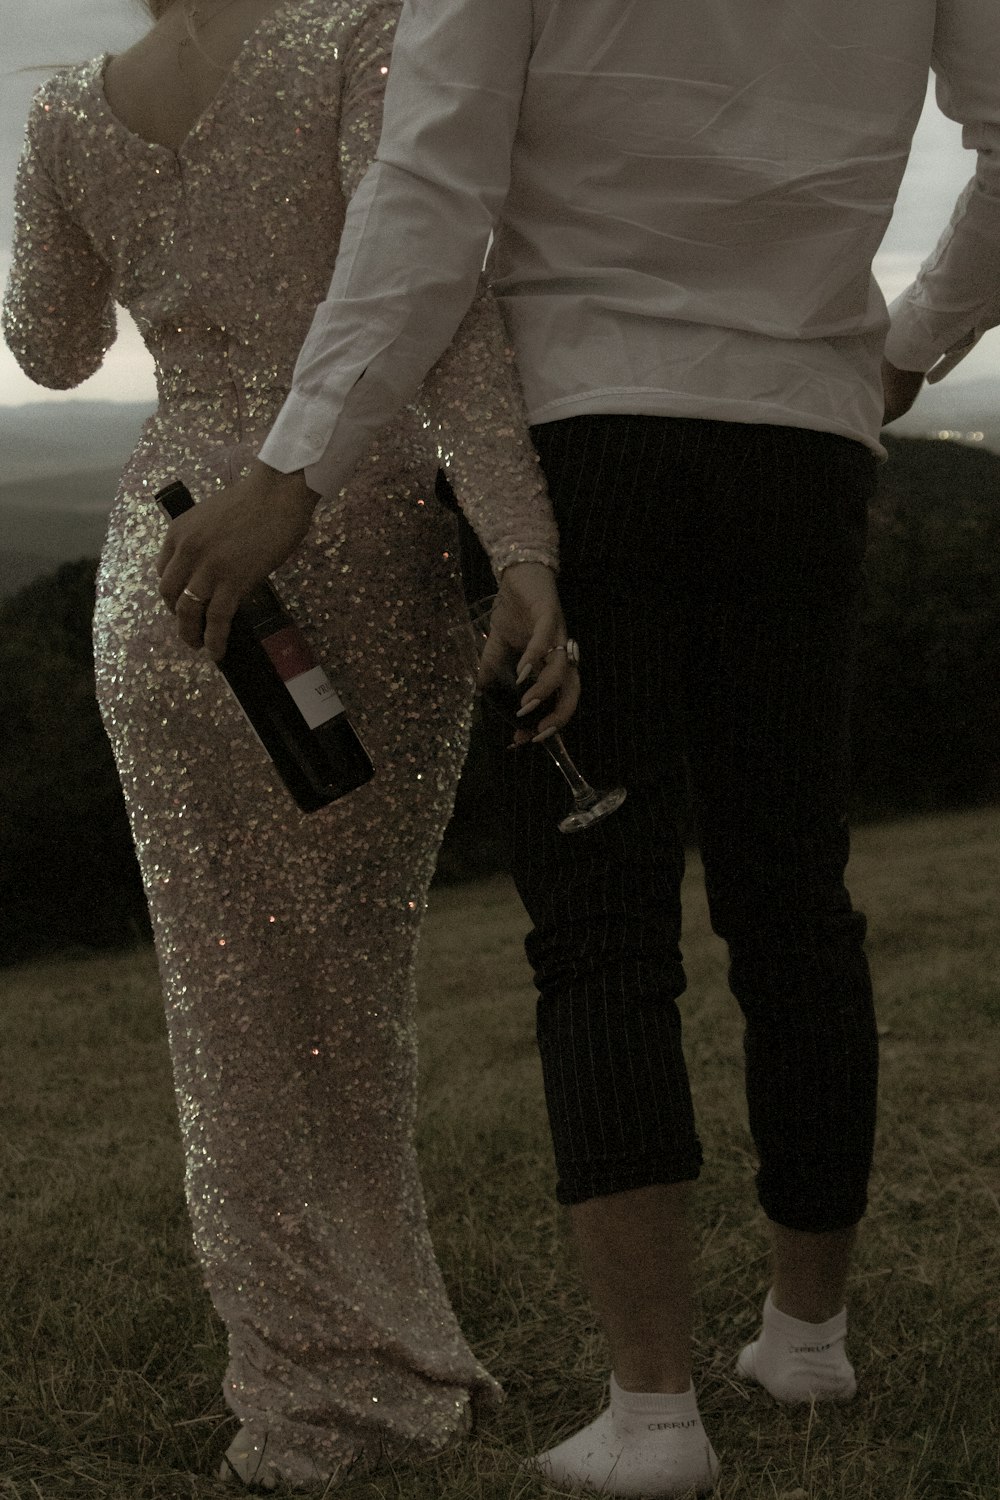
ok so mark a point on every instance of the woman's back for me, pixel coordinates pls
(204, 175)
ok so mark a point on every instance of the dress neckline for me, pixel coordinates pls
(226, 84)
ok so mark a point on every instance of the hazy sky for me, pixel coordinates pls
(40, 32)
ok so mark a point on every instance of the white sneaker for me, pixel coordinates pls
(796, 1361)
(633, 1451)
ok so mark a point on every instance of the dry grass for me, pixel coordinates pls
(112, 1356)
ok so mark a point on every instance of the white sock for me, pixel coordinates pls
(798, 1361)
(644, 1443)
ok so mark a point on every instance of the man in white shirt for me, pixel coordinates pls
(685, 203)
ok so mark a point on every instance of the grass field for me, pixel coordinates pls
(112, 1356)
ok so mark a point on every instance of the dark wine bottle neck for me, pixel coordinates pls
(262, 610)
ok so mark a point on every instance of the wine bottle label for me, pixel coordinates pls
(302, 675)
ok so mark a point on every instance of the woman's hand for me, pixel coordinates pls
(216, 553)
(527, 621)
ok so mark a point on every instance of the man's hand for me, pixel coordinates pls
(217, 552)
(901, 388)
(527, 621)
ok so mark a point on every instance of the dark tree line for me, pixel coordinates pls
(927, 718)
(926, 732)
(68, 872)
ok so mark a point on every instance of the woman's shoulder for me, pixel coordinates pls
(66, 96)
(348, 24)
(338, 20)
(361, 23)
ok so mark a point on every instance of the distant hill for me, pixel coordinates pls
(48, 521)
(58, 438)
(61, 462)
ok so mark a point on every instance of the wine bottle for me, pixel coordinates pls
(285, 694)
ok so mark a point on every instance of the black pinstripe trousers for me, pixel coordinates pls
(711, 572)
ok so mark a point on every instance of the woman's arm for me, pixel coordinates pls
(58, 315)
(473, 411)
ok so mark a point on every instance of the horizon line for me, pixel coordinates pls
(953, 384)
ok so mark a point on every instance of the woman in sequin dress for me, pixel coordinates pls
(286, 943)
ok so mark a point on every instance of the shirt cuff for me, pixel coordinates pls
(927, 342)
(306, 436)
(298, 437)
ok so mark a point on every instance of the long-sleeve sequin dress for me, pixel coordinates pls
(286, 942)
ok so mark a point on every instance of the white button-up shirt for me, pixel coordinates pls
(685, 200)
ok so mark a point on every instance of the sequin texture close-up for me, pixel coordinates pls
(286, 942)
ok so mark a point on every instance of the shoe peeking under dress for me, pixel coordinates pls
(246, 1460)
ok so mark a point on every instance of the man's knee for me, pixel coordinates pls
(583, 960)
(782, 960)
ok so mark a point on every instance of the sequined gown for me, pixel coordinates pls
(286, 942)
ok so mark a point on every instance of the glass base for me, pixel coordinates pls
(591, 813)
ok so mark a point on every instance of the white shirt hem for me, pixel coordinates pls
(642, 401)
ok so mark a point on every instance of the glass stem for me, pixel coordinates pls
(583, 792)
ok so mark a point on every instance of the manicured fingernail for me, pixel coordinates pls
(528, 707)
(524, 673)
(545, 734)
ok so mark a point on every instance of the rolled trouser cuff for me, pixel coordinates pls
(602, 1179)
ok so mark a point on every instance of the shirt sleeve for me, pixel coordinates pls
(955, 298)
(415, 235)
(58, 313)
(365, 70)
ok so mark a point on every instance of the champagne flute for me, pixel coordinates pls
(502, 695)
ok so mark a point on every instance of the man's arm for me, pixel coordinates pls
(416, 231)
(956, 296)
